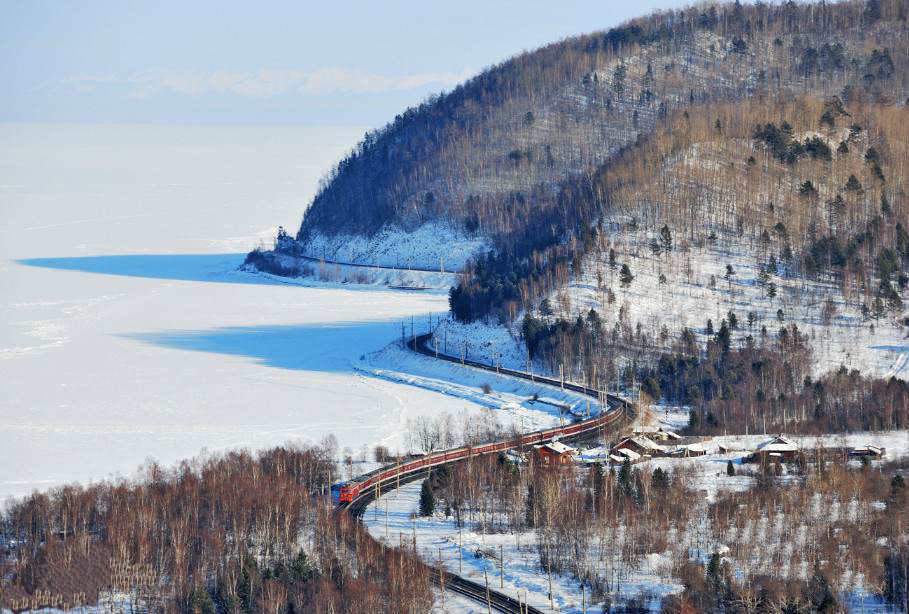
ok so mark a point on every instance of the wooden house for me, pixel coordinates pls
(641, 445)
(867, 451)
(778, 448)
(555, 453)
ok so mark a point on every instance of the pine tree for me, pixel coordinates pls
(730, 469)
(666, 238)
(427, 499)
(660, 480)
(625, 477)
(625, 276)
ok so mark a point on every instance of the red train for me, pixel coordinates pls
(347, 492)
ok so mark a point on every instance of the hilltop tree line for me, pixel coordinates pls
(411, 169)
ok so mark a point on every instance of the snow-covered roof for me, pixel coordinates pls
(630, 454)
(694, 447)
(869, 448)
(778, 444)
(649, 430)
(732, 446)
(557, 447)
(642, 441)
(616, 458)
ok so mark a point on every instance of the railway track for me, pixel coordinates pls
(446, 580)
(419, 344)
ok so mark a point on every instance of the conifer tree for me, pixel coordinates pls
(427, 499)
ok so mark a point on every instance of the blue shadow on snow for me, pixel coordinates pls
(220, 268)
(310, 347)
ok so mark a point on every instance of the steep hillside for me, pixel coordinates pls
(611, 193)
(506, 155)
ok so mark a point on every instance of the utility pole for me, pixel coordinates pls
(441, 578)
(488, 601)
(460, 552)
(501, 568)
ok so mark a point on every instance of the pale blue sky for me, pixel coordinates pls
(256, 62)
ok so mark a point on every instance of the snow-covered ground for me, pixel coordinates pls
(395, 519)
(524, 404)
(434, 245)
(127, 333)
(877, 347)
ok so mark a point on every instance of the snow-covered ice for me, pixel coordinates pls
(127, 332)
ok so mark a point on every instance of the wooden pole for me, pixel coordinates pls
(488, 600)
(501, 568)
(460, 552)
(441, 578)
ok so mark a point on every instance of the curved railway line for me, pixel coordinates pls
(354, 496)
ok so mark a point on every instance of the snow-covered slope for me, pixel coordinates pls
(435, 246)
(696, 288)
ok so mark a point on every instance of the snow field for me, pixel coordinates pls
(126, 331)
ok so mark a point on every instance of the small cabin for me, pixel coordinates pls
(691, 449)
(868, 451)
(779, 448)
(555, 453)
(658, 434)
(639, 444)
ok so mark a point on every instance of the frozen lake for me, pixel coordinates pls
(126, 332)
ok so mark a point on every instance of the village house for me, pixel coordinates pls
(658, 434)
(555, 453)
(867, 451)
(691, 449)
(620, 456)
(640, 445)
(778, 448)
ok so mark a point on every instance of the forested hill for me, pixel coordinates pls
(504, 155)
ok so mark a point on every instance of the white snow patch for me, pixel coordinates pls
(436, 246)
